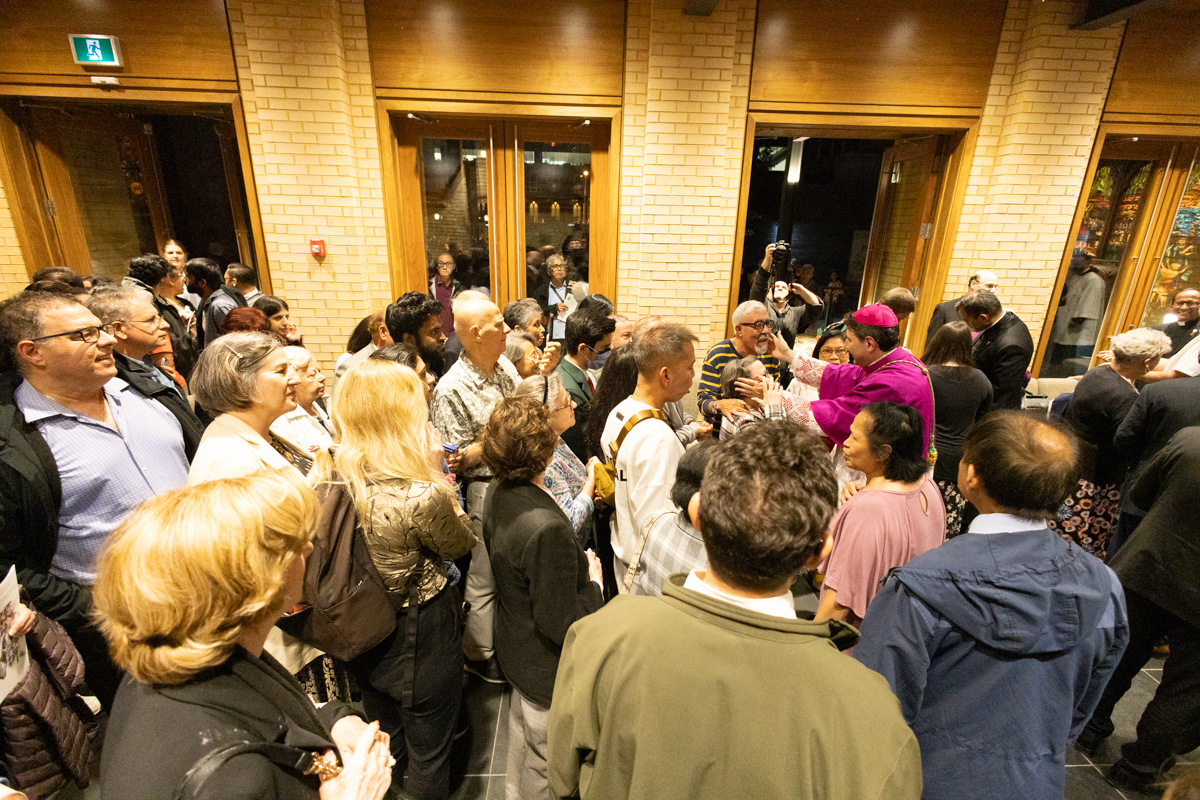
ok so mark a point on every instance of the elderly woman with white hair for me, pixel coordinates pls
(307, 427)
(1100, 402)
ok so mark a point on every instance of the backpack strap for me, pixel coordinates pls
(641, 416)
(635, 562)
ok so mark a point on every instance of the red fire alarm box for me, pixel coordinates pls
(318, 247)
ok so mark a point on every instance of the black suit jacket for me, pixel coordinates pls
(942, 313)
(156, 733)
(542, 583)
(1159, 412)
(1002, 352)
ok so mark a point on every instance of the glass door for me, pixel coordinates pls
(503, 196)
(1143, 198)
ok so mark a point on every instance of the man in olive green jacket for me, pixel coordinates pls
(716, 689)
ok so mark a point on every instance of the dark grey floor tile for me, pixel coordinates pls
(1125, 718)
(496, 789)
(1086, 783)
(473, 787)
(500, 750)
(472, 753)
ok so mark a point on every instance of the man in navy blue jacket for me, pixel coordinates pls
(998, 643)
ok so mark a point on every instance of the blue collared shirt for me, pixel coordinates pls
(105, 473)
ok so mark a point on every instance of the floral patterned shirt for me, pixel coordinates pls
(563, 480)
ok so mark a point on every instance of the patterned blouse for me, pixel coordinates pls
(563, 480)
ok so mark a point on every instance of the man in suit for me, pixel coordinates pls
(1003, 347)
(947, 312)
(589, 339)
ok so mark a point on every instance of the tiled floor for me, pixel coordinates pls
(479, 757)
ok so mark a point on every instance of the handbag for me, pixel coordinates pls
(606, 473)
(305, 762)
(347, 609)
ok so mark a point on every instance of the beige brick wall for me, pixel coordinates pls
(687, 82)
(13, 276)
(1035, 137)
(305, 81)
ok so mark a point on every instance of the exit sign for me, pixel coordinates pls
(95, 50)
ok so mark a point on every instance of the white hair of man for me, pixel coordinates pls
(1139, 345)
(743, 312)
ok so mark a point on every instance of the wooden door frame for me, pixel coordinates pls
(403, 211)
(947, 207)
(36, 233)
(1132, 284)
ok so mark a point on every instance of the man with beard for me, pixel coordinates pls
(751, 336)
(415, 319)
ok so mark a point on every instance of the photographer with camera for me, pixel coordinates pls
(792, 307)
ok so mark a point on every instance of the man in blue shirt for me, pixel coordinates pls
(79, 450)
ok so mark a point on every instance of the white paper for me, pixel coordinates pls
(14, 654)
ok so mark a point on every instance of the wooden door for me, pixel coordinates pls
(103, 187)
(903, 221)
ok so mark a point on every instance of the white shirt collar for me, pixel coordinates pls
(1003, 311)
(780, 605)
(1005, 523)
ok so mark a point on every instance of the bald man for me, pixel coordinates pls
(945, 312)
(462, 403)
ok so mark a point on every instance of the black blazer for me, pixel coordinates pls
(1002, 352)
(542, 583)
(156, 733)
(942, 313)
(1158, 413)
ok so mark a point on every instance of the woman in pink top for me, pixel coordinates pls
(893, 517)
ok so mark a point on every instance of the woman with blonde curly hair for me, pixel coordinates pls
(188, 588)
(412, 525)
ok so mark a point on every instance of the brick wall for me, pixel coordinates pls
(13, 276)
(1035, 137)
(687, 82)
(305, 80)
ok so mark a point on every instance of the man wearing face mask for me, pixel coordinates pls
(589, 342)
(751, 336)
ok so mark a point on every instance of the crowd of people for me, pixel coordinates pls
(239, 557)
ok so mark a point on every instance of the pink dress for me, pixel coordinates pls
(875, 531)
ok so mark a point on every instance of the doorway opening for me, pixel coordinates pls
(118, 180)
(858, 214)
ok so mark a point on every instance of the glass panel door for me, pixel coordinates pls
(556, 182)
(1110, 218)
(1179, 265)
(454, 195)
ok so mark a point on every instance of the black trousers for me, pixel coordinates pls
(1170, 725)
(423, 734)
(100, 674)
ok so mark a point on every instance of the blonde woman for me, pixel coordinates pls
(412, 524)
(307, 427)
(188, 588)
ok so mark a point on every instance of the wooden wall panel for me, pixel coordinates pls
(459, 47)
(1158, 71)
(180, 41)
(933, 53)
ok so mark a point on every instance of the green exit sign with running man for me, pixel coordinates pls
(95, 50)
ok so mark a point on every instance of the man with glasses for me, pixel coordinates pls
(79, 450)
(589, 342)
(751, 336)
(140, 330)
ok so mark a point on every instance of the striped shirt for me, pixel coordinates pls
(710, 376)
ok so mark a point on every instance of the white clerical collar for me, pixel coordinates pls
(1004, 523)
(1003, 311)
(781, 605)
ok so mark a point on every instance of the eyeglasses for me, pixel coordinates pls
(758, 326)
(594, 350)
(154, 321)
(90, 334)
